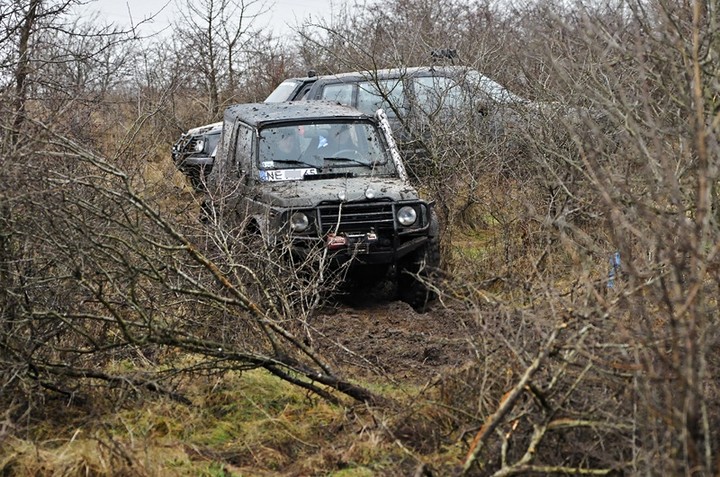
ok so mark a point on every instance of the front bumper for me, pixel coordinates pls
(195, 165)
(367, 232)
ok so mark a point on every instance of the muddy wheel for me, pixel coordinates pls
(416, 272)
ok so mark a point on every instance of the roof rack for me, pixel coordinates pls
(444, 53)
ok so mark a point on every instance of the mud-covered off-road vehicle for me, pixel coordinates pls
(194, 152)
(322, 176)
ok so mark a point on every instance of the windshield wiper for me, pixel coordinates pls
(298, 161)
(356, 161)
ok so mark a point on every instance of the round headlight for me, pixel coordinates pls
(199, 145)
(406, 215)
(299, 222)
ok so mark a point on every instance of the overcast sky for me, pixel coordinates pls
(282, 12)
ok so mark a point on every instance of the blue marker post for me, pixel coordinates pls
(614, 270)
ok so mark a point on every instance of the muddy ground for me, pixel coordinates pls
(373, 335)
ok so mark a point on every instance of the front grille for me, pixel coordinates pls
(190, 147)
(349, 218)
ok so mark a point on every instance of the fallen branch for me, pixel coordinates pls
(508, 402)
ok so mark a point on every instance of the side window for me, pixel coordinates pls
(342, 93)
(372, 95)
(243, 148)
(435, 93)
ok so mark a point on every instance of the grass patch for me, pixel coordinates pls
(248, 420)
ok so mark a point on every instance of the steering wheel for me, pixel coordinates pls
(350, 153)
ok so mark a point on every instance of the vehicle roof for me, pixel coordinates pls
(384, 73)
(490, 86)
(398, 72)
(262, 114)
(300, 79)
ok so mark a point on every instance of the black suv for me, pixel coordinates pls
(194, 152)
(318, 175)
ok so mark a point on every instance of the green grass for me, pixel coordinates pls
(241, 421)
(239, 424)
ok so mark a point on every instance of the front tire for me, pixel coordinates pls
(417, 272)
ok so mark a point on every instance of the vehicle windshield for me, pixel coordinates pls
(291, 152)
(211, 142)
(283, 92)
(435, 93)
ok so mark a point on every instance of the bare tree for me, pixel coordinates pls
(84, 246)
(212, 45)
(631, 172)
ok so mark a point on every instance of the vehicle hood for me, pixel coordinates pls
(309, 193)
